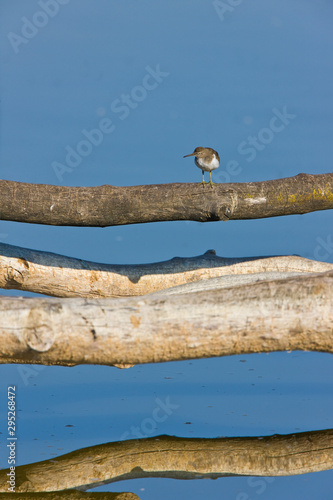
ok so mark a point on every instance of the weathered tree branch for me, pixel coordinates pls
(288, 314)
(179, 458)
(71, 494)
(110, 206)
(60, 276)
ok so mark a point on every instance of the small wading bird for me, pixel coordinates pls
(207, 159)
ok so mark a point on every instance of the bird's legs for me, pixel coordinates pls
(211, 182)
(203, 177)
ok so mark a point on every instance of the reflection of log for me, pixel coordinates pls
(111, 205)
(69, 495)
(288, 314)
(60, 276)
(179, 458)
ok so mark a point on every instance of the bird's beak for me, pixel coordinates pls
(192, 154)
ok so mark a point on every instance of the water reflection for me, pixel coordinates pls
(177, 458)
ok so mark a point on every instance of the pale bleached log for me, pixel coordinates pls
(289, 314)
(227, 281)
(179, 458)
(60, 276)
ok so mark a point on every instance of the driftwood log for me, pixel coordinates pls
(178, 458)
(294, 313)
(68, 495)
(60, 276)
(110, 205)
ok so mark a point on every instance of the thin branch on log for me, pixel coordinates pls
(178, 458)
(60, 276)
(288, 314)
(110, 206)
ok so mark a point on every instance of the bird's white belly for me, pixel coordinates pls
(207, 167)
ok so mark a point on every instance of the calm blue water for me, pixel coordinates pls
(158, 79)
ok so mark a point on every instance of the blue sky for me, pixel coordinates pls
(224, 74)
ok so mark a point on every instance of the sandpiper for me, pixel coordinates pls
(207, 159)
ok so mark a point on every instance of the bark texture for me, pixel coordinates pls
(289, 314)
(179, 458)
(60, 276)
(110, 205)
